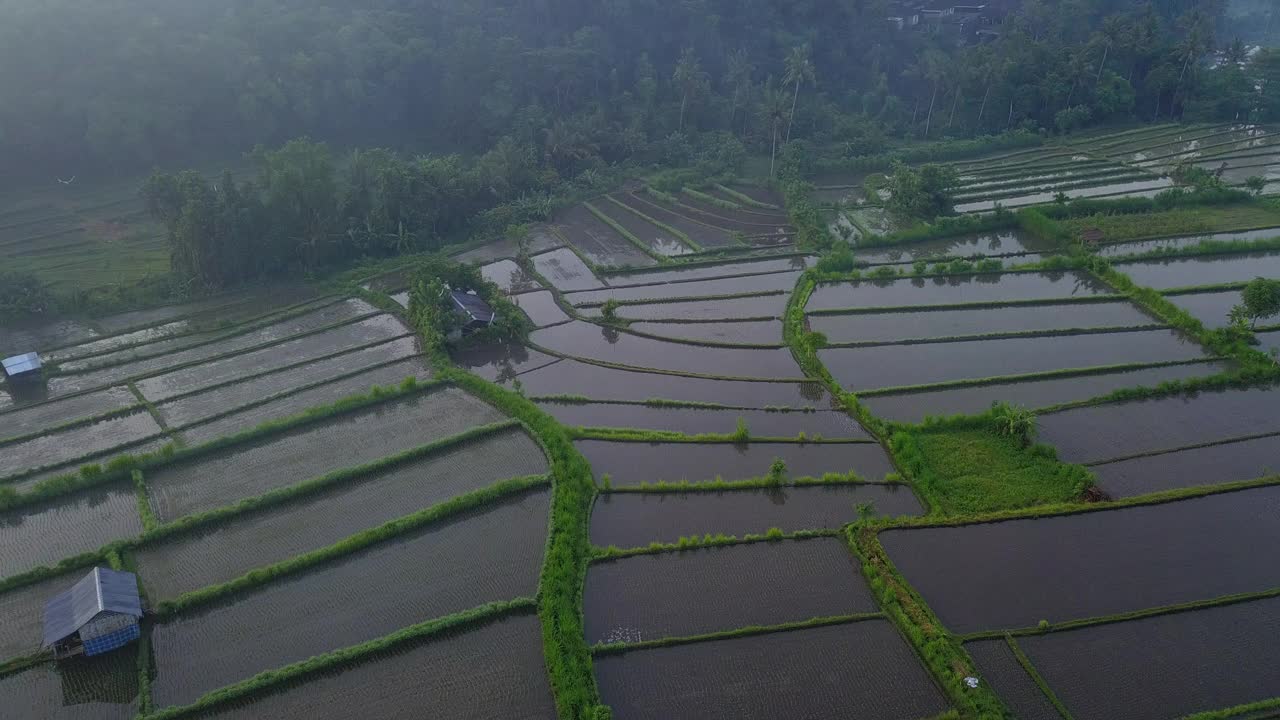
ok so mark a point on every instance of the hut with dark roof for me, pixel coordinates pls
(98, 614)
(476, 313)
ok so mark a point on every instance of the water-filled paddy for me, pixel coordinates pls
(492, 671)
(906, 365)
(115, 342)
(1091, 564)
(23, 611)
(311, 451)
(1202, 270)
(1141, 246)
(20, 337)
(637, 519)
(592, 342)
(712, 287)
(829, 424)
(64, 446)
(565, 270)
(725, 219)
(1164, 666)
(509, 276)
(541, 308)
(914, 407)
(462, 562)
(203, 405)
(748, 332)
(330, 392)
(999, 667)
(33, 419)
(706, 272)
(630, 463)
(1212, 465)
(648, 597)
(572, 377)
(1137, 188)
(239, 305)
(891, 326)
(956, 289)
(500, 361)
(862, 669)
(101, 688)
(1103, 432)
(598, 242)
(372, 330)
(72, 525)
(657, 240)
(1211, 308)
(1003, 243)
(226, 551)
(756, 306)
(704, 235)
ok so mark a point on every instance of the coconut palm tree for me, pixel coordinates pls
(689, 77)
(773, 110)
(738, 77)
(799, 70)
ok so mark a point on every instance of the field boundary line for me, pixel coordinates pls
(1037, 678)
(1011, 335)
(898, 309)
(662, 260)
(709, 541)
(73, 424)
(670, 300)
(624, 326)
(1029, 377)
(678, 266)
(1183, 448)
(679, 235)
(658, 371)
(666, 487)
(635, 435)
(748, 631)
(1261, 706)
(663, 402)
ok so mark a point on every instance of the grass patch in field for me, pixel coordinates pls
(1184, 221)
(973, 471)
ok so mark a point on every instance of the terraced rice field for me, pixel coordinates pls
(955, 290)
(631, 463)
(34, 536)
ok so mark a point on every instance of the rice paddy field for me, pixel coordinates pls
(713, 481)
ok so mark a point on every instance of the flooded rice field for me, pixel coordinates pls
(657, 240)
(366, 332)
(1033, 394)
(598, 242)
(1008, 242)
(887, 366)
(586, 341)
(115, 342)
(861, 669)
(1103, 563)
(38, 535)
(892, 326)
(497, 362)
(571, 377)
(733, 221)
(101, 688)
(1270, 342)
(829, 424)
(713, 287)
(492, 671)
(21, 337)
(189, 409)
(459, 563)
(748, 332)
(243, 304)
(707, 272)
(999, 667)
(636, 519)
(540, 239)
(309, 452)
(1211, 308)
(565, 270)
(1215, 464)
(631, 463)
(541, 308)
(510, 277)
(56, 448)
(955, 290)
(23, 609)
(36, 418)
(704, 235)
(1202, 270)
(328, 393)
(1165, 666)
(755, 306)
(1136, 188)
(1142, 246)
(222, 553)
(650, 597)
(1106, 432)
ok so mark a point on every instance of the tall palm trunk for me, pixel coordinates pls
(792, 119)
(773, 156)
(983, 110)
(1103, 66)
(1010, 121)
(928, 123)
(684, 103)
(954, 102)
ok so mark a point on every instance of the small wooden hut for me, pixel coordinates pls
(98, 614)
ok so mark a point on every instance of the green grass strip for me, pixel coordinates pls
(745, 199)
(145, 702)
(348, 546)
(613, 552)
(711, 199)
(1250, 709)
(1020, 334)
(749, 631)
(1088, 299)
(73, 424)
(692, 341)
(145, 511)
(641, 246)
(338, 659)
(758, 483)
(618, 434)
(1035, 676)
(683, 237)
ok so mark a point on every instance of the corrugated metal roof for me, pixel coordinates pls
(475, 307)
(102, 590)
(19, 364)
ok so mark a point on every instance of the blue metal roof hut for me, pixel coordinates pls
(20, 366)
(475, 312)
(98, 614)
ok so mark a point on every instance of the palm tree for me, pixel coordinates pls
(738, 77)
(799, 70)
(689, 77)
(933, 68)
(1110, 32)
(773, 110)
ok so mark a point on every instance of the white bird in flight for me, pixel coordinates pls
(67, 182)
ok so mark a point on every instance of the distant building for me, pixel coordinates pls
(22, 366)
(476, 313)
(98, 614)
